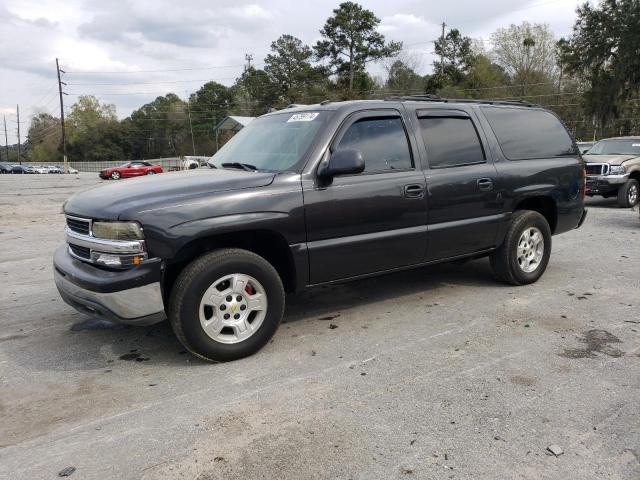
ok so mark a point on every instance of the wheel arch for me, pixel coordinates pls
(269, 244)
(544, 205)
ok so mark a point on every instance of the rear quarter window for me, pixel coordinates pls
(525, 134)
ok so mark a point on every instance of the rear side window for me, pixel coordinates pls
(451, 141)
(526, 134)
(382, 142)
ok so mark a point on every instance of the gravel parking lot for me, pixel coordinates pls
(433, 373)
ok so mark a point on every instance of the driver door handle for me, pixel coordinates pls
(415, 190)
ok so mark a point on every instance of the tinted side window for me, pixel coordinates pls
(451, 142)
(524, 134)
(382, 142)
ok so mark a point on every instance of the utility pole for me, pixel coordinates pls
(6, 141)
(193, 143)
(64, 137)
(442, 51)
(18, 115)
(248, 57)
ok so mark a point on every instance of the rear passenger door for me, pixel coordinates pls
(372, 221)
(464, 208)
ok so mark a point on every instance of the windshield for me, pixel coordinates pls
(274, 143)
(616, 147)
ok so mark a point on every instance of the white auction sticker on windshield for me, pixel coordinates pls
(303, 117)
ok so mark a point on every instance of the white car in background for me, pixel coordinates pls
(41, 169)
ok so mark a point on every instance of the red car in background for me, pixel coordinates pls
(131, 169)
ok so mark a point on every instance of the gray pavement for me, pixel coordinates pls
(433, 373)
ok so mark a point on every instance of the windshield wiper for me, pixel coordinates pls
(243, 166)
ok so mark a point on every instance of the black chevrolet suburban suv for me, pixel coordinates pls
(316, 194)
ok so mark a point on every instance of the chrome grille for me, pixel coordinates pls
(597, 168)
(78, 251)
(79, 225)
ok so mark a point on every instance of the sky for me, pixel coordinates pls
(128, 52)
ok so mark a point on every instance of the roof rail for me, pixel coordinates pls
(436, 98)
(294, 105)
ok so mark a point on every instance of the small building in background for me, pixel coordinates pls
(232, 124)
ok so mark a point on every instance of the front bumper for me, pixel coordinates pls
(132, 296)
(597, 184)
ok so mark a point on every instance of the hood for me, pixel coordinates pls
(610, 159)
(148, 192)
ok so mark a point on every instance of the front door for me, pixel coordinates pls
(372, 221)
(464, 205)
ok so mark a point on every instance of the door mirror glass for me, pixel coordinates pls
(343, 162)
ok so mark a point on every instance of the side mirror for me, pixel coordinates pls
(342, 162)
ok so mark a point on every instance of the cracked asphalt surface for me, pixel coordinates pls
(436, 373)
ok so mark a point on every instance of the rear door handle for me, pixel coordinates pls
(485, 184)
(415, 190)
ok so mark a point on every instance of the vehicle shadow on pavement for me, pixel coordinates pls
(327, 300)
(81, 343)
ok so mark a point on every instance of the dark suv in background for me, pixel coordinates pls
(318, 194)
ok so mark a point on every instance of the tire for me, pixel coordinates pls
(115, 175)
(187, 314)
(629, 194)
(151, 172)
(506, 263)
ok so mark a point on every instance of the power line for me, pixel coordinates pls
(154, 83)
(131, 72)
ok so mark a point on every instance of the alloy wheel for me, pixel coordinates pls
(633, 195)
(530, 249)
(233, 308)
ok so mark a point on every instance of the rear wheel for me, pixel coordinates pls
(226, 304)
(523, 256)
(629, 194)
(115, 175)
(151, 172)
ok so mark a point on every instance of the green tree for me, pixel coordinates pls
(44, 138)
(85, 114)
(159, 129)
(254, 92)
(290, 70)
(93, 131)
(457, 57)
(402, 78)
(603, 50)
(209, 105)
(485, 79)
(350, 40)
(527, 53)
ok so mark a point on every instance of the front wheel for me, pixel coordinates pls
(151, 172)
(226, 304)
(524, 254)
(115, 175)
(629, 194)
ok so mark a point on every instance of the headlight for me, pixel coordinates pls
(616, 170)
(117, 230)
